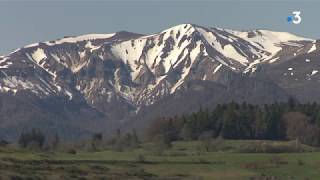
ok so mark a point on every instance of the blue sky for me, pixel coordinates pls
(25, 22)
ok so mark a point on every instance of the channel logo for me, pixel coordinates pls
(295, 18)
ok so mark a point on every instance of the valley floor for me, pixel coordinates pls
(182, 161)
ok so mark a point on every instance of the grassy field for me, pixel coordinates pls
(185, 160)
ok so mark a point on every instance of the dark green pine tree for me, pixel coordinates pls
(246, 118)
(216, 120)
(229, 128)
(260, 125)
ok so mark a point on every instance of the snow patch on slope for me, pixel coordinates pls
(232, 53)
(217, 68)
(313, 48)
(185, 72)
(314, 72)
(4, 64)
(38, 55)
(270, 41)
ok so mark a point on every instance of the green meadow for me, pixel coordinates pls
(230, 159)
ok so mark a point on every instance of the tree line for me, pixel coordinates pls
(35, 139)
(278, 121)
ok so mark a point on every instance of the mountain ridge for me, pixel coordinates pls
(123, 73)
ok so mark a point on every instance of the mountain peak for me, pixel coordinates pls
(120, 74)
(179, 27)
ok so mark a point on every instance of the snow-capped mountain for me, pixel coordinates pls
(123, 74)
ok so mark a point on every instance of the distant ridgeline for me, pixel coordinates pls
(278, 121)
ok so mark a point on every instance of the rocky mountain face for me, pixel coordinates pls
(100, 82)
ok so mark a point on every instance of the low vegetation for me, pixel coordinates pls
(225, 159)
(233, 141)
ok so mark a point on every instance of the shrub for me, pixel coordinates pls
(203, 161)
(300, 162)
(34, 139)
(253, 165)
(267, 147)
(277, 160)
(71, 151)
(140, 158)
(3, 143)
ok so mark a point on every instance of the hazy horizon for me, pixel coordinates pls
(32, 21)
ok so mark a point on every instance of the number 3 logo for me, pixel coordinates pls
(297, 18)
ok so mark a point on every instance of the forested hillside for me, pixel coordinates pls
(279, 121)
